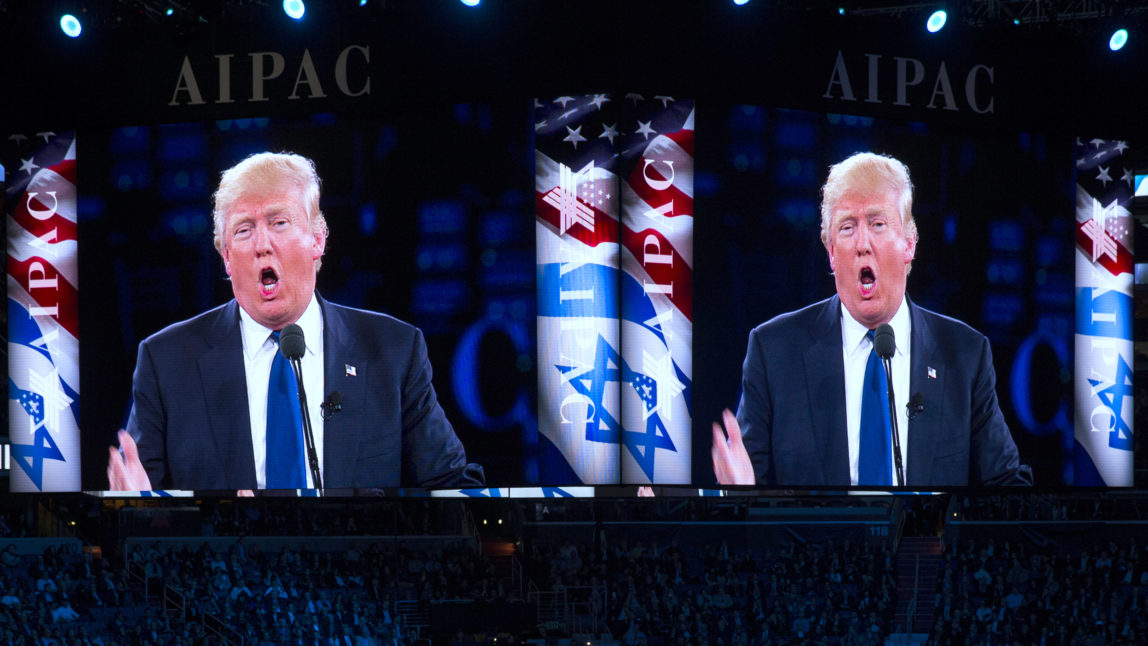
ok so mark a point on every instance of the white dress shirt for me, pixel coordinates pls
(258, 352)
(856, 346)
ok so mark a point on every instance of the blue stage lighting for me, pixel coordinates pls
(1118, 40)
(294, 8)
(471, 3)
(70, 25)
(740, 2)
(840, 11)
(937, 21)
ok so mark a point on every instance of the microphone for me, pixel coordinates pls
(292, 345)
(884, 345)
(916, 405)
(291, 342)
(883, 342)
(334, 404)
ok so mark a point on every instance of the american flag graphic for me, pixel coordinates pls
(614, 197)
(1104, 314)
(43, 312)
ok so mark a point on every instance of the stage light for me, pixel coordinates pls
(471, 3)
(740, 2)
(1118, 40)
(937, 21)
(840, 11)
(70, 25)
(169, 11)
(294, 8)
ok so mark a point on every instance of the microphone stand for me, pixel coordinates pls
(897, 465)
(308, 434)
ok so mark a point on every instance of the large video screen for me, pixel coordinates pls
(585, 272)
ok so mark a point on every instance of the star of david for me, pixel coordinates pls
(610, 368)
(1113, 397)
(31, 457)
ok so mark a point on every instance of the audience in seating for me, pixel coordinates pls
(998, 581)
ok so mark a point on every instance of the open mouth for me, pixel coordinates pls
(868, 281)
(269, 281)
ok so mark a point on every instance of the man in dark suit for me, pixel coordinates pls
(203, 417)
(799, 422)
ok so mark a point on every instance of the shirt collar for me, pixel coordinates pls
(853, 333)
(255, 334)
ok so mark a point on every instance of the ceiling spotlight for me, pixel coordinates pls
(294, 8)
(740, 2)
(936, 21)
(70, 25)
(471, 3)
(1118, 40)
(840, 11)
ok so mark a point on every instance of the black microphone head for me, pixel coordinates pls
(335, 399)
(883, 341)
(291, 342)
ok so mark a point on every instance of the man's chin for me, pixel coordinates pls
(270, 315)
(867, 312)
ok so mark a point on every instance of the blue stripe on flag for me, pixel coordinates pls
(22, 329)
(604, 282)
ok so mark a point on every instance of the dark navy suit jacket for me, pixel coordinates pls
(191, 423)
(792, 411)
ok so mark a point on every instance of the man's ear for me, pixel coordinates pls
(319, 246)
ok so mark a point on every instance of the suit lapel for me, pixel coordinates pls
(825, 379)
(926, 377)
(222, 371)
(343, 371)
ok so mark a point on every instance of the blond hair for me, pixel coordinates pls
(264, 172)
(868, 173)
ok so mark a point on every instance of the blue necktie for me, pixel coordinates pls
(285, 465)
(874, 463)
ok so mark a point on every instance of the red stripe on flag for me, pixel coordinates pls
(65, 228)
(638, 182)
(63, 295)
(676, 273)
(684, 139)
(66, 169)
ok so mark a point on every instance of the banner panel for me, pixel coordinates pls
(1104, 315)
(43, 313)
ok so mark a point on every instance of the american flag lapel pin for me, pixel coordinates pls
(932, 372)
(350, 371)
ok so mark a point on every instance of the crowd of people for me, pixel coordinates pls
(295, 595)
(1050, 508)
(646, 592)
(995, 583)
(1001, 592)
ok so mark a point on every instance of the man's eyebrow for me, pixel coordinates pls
(238, 219)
